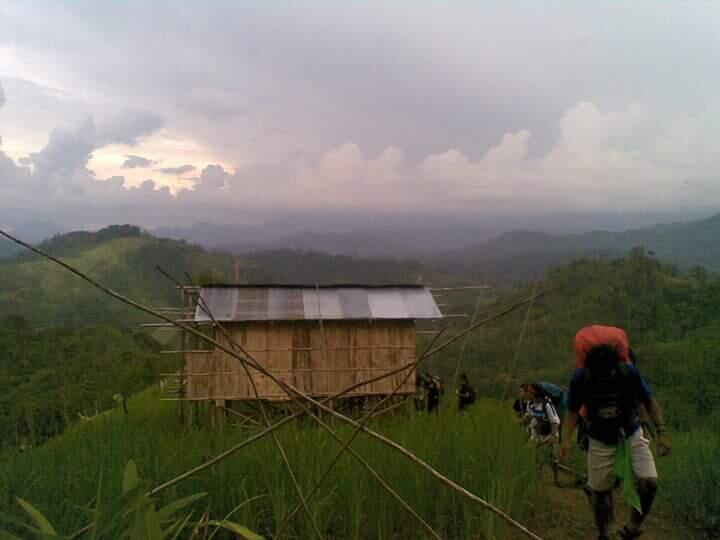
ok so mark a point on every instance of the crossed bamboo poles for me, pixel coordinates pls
(306, 401)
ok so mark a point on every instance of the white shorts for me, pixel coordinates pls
(601, 459)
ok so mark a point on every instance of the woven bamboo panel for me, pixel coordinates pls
(319, 360)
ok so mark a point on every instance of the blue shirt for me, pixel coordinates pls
(611, 402)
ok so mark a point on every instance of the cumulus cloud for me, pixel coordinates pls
(177, 171)
(137, 162)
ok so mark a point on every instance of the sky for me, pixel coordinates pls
(163, 113)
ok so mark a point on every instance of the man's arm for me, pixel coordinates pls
(656, 415)
(655, 412)
(569, 425)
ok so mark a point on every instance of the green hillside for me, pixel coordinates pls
(124, 258)
(53, 377)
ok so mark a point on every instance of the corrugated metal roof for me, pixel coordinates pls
(288, 303)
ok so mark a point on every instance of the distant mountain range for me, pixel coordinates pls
(519, 253)
(461, 249)
(525, 254)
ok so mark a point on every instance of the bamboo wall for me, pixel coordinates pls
(320, 362)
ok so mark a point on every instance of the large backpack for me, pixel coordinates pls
(472, 395)
(591, 336)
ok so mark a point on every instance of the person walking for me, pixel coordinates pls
(543, 426)
(434, 390)
(609, 390)
(465, 393)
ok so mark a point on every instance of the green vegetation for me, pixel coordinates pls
(52, 377)
(673, 322)
(672, 318)
(483, 451)
(125, 259)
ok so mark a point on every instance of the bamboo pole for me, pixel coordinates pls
(519, 344)
(464, 343)
(294, 391)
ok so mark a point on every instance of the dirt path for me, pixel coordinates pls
(571, 518)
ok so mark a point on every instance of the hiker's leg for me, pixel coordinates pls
(643, 464)
(647, 488)
(603, 510)
(600, 461)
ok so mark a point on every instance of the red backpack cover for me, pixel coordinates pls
(592, 336)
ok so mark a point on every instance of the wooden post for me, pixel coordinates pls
(181, 389)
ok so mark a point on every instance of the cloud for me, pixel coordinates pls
(630, 159)
(128, 128)
(69, 149)
(2, 102)
(177, 171)
(137, 162)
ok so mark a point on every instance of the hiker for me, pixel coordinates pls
(466, 393)
(420, 392)
(434, 391)
(608, 388)
(543, 426)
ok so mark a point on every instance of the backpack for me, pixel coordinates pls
(556, 395)
(591, 336)
(472, 396)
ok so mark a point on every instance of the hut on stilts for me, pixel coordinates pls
(320, 339)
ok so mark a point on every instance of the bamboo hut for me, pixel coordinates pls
(319, 339)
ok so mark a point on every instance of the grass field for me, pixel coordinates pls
(483, 451)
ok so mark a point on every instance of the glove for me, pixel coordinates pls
(663, 444)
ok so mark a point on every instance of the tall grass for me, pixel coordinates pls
(691, 478)
(483, 450)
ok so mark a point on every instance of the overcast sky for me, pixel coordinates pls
(176, 112)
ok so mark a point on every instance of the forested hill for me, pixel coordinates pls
(125, 258)
(52, 377)
(672, 319)
(524, 254)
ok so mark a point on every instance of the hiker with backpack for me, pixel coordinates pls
(434, 391)
(543, 425)
(466, 393)
(606, 389)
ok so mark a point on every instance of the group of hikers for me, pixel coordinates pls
(608, 403)
(429, 389)
(611, 405)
